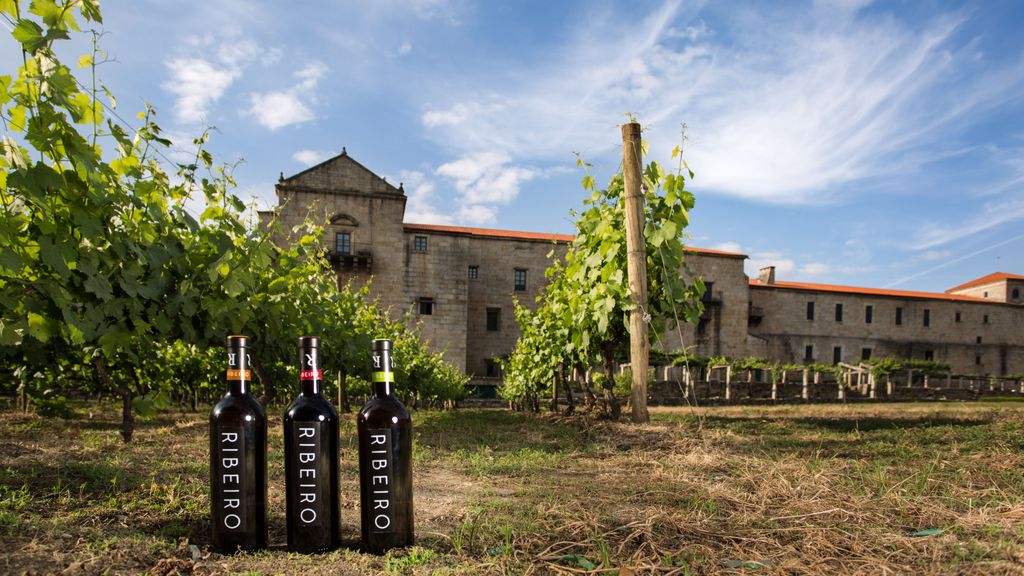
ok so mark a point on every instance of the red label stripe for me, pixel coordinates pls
(317, 374)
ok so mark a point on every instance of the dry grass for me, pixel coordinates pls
(827, 489)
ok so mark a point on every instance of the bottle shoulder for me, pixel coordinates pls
(384, 410)
(311, 408)
(237, 405)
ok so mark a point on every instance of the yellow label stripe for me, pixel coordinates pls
(383, 377)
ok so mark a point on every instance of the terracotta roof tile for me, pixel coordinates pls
(870, 291)
(993, 277)
(519, 235)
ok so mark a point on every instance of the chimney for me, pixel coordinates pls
(766, 275)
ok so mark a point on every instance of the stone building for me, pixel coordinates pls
(461, 282)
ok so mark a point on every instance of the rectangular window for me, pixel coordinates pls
(519, 278)
(709, 288)
(474, 272)
(957, 316)
(978, 340)
(977, 359)
(869, 314)
(808, 353)
(985, 319)
(426, 306)
(865, 353)
(899, 316)
(810, 310)
(837, 354)
(839, 312)
(491, 367)
(343, 243)
(419, 243)
(929, 355)
(493, 319)
(927, 317)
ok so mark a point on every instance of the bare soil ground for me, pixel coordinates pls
(825, 489)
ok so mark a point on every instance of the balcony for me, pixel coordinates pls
(361, 261)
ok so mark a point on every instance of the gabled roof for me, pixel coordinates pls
(990, 279)
(333, 167)
(870, 291)
(519, 235)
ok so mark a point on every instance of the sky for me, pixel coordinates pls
(843, 141)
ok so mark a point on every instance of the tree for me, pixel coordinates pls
(584, 311)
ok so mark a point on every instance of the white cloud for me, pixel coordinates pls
(486, 177)
(784, 267)
(933, 255)
(310, 74)
(310, 157)
(993, 214)
(815, 269)
(276, 109)
(463, 113)
(728, 247)
(477, 215)
(405, 47)
(197, 84)
(419, 207)
(782, 106)
(211, 65)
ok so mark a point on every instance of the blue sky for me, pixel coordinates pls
(844, 141)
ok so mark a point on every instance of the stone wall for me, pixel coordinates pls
(984, 341)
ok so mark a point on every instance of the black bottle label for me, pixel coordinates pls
(311, 467)
(381, 480)
(232, 487)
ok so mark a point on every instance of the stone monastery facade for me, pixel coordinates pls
(461, 283)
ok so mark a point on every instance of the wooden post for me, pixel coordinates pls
(910, 378)
(889, 387)
(872, 387)
(804, 393)
(636, 260)
(728, 380)
(926, 380)
(775, 388)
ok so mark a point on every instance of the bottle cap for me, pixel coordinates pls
(238, 340)
(309, 341)
(381, 345)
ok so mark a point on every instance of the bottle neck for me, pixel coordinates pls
(382, 389)
(239, 375)
(310, 374)
(383, 375)
(309, 387)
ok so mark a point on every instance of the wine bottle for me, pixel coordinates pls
(385, 461)
(311, 459)
(238, 461)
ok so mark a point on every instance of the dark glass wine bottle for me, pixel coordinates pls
(311, 459)
(238, 461)
(385, 461)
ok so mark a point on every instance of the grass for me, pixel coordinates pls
(861, 488)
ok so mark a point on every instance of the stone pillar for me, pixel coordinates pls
(872, 386)
(804, 392)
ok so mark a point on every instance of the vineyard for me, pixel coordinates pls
(114, 284)
(821, 489)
